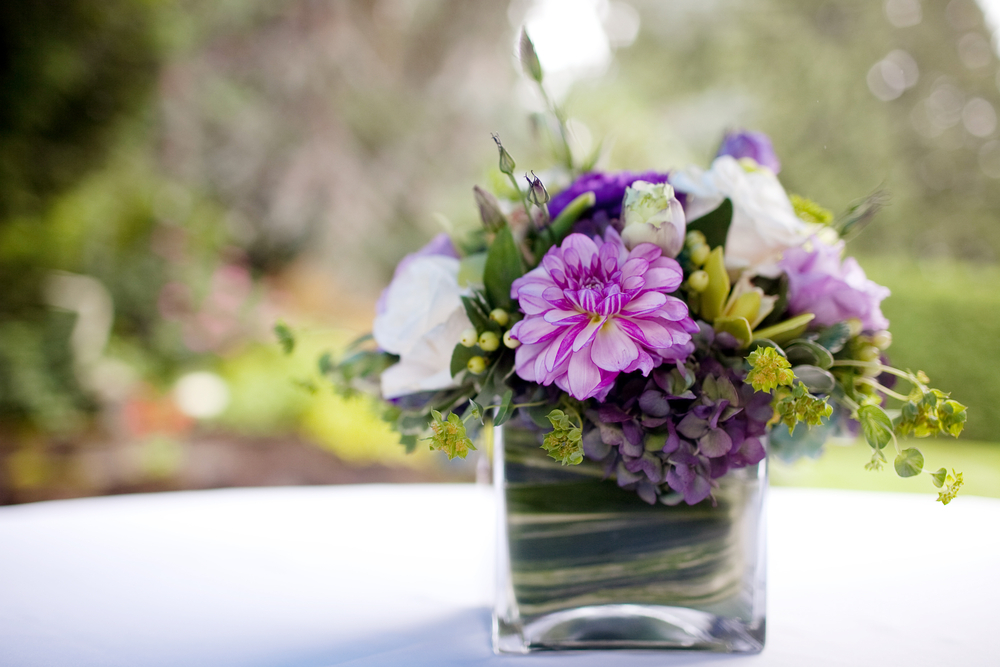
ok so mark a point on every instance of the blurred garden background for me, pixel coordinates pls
(177, 176)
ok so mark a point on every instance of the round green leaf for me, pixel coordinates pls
(909, 463)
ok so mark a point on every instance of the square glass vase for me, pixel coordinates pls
(584, 564)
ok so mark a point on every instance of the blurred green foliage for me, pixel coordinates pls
(69, 71)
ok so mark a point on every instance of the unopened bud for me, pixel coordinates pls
(868, 353)
(700, 253)
(500, 316)
(506, 161)
(469, 337)
(698, 281)
(882, 340)
(489, 209)
(510, 341)
(529, 58)
(694, 238)
(537, 193)
(476, 365)
(489, 341)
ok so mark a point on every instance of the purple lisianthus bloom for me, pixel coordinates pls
(754, 145)
(609, 189)
(834, 290)
(595, 311)
(439, 245)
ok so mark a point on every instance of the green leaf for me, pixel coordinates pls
(477, 411)
(738, 327)
(504, 265)
(471, 269)
(285, 337)
(909, 463)
(410, 442)
(938, 477)
(325, 364)
(460, 357)
(834, 337)
(504, 412)
(479, 314)
(561, 226)
(876, 425)
(714, 297)
(786, 331)
(801, 351)
(816, 380)
(714, 225)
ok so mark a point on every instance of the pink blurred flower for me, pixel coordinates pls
(593, 312)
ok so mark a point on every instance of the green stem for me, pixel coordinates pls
(520, 193)
(563, 130)
(885, 390)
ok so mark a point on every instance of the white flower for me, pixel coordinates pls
(422, 321)
(764, 222)
(652, 214)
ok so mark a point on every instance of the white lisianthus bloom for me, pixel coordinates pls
(652, 214)
(764, 222)
(422, 321)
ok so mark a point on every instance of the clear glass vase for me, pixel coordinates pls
(583, 564)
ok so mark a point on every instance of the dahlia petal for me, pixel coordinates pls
(556, 352)
(649, 333)
(565, 317)
(647, 302)
(665, 279)
(646, 251)
(583, 376)
(613, 350)
(587, 334)
(673, 308)
(581, 248)
(635, 266)
(534, 330)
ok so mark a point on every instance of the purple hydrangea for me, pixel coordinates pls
(609, 189)
(834, 290)
(708, 419)
(595, 311)
(754, 145)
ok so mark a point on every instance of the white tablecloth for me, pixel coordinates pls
(402, 575)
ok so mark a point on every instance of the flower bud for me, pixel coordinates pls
(489, 209)
(698, 281)
(476, 365)
(469, 337)
(529, 58)
(500, 316)
(700, 253)
(694, 238)
(489, 341)
(652, 214)
(536, 191)
(882, 340)
(510, 341)
(869, 353)
(506, 161)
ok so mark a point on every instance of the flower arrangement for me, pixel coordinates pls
(661, 323)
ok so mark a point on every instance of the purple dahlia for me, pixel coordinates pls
(594, 311)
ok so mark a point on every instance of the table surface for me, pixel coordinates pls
(402, 575)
